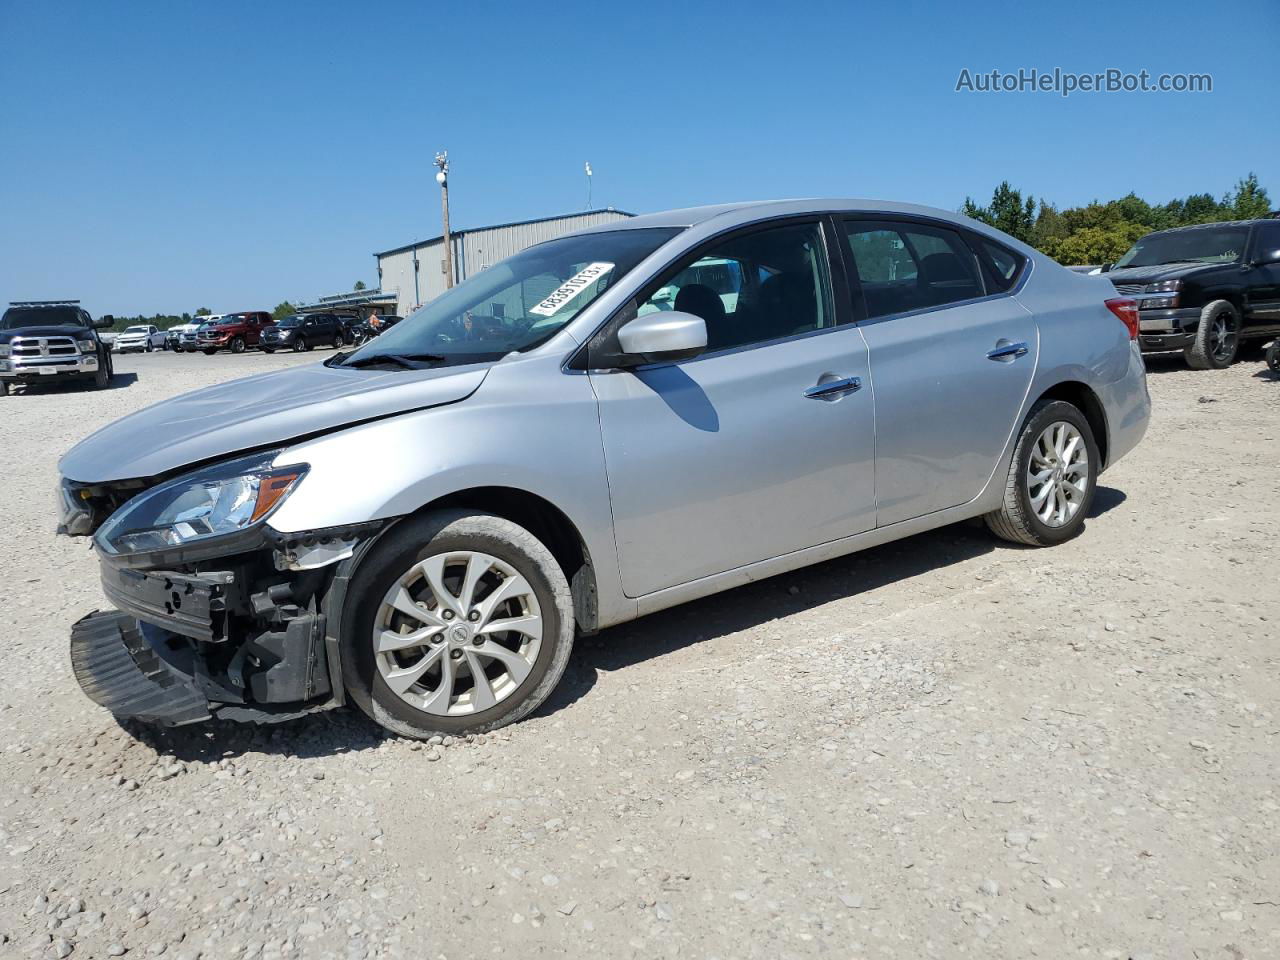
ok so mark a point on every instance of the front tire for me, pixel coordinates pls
(1217, 338)
(299, 345)
(461, 623)
(237, 345)
(1273, 357)
(1051, 479)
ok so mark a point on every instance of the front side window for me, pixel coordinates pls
(910, 266)
(518, 303)
(757, 286)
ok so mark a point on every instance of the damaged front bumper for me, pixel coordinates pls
(255, 639)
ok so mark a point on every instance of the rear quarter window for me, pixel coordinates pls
(1002, 265)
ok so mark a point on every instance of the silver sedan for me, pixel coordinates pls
(604, 425)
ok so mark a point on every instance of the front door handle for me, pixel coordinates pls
(1007, 351)
(833, 389)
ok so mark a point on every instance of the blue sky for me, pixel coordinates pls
(166, 156)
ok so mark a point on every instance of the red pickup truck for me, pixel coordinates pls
(234, 332)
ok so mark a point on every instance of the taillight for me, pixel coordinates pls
(1126, 309)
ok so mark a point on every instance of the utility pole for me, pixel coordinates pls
(442, 178)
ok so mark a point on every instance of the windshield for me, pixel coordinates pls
(1201, 245)
(289, 321)
(520, 302)
(16, 317)
(135, 329)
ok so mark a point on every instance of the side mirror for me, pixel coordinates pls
(663, 337)
(104, 321)
(1106, 267)
(1265, 257)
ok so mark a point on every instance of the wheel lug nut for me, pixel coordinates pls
(478, 640)
(473, 616)
(448, 614)
(457, 654)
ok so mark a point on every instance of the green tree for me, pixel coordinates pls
(1249, 201)
(359, 285)
(1007, 211)
(283, 310)
(204, 312)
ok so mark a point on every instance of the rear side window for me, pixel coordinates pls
(905, 266)
(1001, 263)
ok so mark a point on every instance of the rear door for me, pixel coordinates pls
(759, 447)
(951, 355)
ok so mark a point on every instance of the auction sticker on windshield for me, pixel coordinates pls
(571, 288)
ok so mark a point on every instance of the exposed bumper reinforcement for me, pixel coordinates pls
(118, 670)
(187, 604)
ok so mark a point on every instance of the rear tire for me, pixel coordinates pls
(4, 388)
(1273, 357)
(268, 349)
(449, 701)
(210, 351)
(1047, 494)
(338, 341)
(1217, 338)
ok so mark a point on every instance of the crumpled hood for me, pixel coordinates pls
(271, 408)
(1164, 271)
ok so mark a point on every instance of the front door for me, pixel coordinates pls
(951, 363)
(761, 446)
(1263, 314)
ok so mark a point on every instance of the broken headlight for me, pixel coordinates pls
(212, 502)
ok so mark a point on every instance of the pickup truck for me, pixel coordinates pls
(143, 337)
(51, 340)
(233, 331)
(1207, 290)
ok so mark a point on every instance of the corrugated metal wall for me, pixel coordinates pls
(472, 252)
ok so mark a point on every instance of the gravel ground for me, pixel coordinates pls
(945, 746)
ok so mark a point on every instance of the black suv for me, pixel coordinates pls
(302, 331)
(1204, 289)
(49, 340)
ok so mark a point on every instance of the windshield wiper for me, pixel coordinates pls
(409, 361)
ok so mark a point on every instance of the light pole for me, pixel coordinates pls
(587, 167)
(442, 178)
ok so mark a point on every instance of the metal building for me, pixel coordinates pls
(413, 274)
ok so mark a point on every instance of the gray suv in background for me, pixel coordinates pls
(603, 425)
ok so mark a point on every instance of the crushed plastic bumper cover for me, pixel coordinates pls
(117, 669)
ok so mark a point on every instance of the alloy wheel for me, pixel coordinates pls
(1222, 337)
(1057, 474)
(457, 633)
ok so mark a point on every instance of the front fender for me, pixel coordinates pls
(530, 427)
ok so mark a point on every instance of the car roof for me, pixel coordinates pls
(732, 214)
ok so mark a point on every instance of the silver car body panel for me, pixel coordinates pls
(694, 477)
(256, 412)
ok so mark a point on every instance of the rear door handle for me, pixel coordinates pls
(1007, 351)
(833, 389)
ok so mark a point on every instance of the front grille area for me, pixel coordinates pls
(1128, 289)
(38, 348)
